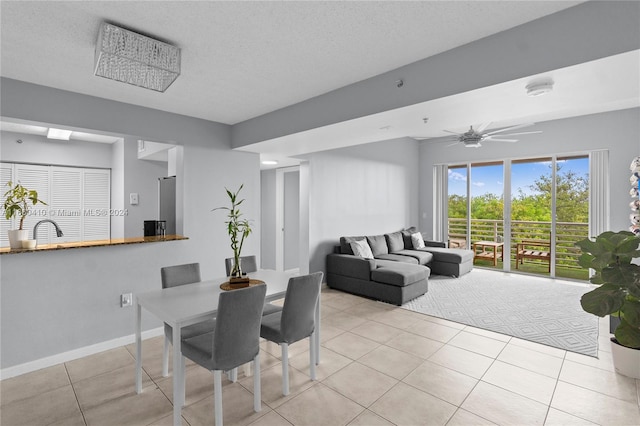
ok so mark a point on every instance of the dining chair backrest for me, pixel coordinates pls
(298, 311)
(247, 264)
(237, 334)
(173, 276)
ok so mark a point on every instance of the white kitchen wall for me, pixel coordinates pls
(55, 303)
(40, 150)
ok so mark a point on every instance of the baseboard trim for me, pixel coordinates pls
(28, 367)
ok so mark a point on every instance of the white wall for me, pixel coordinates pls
(268, 216)
(59, 301)
(618, 132)
(40, 150)
(363, 190)
(141, 177)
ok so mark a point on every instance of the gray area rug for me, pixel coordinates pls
(530, 308)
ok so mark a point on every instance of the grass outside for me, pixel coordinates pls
(538, 268)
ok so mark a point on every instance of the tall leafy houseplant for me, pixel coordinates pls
(610, 256)
(17, 201)
(237, 228)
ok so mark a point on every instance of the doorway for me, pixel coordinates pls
(288, 218)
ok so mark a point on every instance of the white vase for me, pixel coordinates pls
(16, 236)
(626, 361)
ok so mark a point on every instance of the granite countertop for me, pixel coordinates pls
(94, 243)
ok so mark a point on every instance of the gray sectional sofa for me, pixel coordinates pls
(397, 272)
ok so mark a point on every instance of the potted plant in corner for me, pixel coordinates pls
(17, 202)
(611, 256)
(238, 230)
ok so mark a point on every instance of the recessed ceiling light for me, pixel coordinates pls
(538, 88)
(60, 134)
(269, 162)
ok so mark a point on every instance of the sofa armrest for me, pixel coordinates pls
(429, 243)
(350, 266)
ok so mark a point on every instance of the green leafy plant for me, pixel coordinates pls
(610, 255)
(18, 200)
(237, 228)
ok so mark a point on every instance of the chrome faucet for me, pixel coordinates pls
(58, 230)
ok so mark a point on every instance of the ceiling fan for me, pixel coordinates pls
(472, 138)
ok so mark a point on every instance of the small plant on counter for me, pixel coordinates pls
(237, 228)
(18, 200)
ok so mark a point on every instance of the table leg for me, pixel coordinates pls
(495, 256)
(138, 348)
(178, 379)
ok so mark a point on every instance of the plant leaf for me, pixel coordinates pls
(627, 335)
(603, 300)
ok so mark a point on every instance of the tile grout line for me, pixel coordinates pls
(75, 394)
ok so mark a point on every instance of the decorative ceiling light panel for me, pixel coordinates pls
(132, 58)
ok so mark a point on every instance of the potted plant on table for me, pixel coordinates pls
(611, 255)
(17, 202)
(238, 230)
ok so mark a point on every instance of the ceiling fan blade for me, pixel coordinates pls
(506, 129)
(501, 140)
(520, 133)
(484, 126)
(449, 131)
(452, 144)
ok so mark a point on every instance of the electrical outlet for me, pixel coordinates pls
(126, 299)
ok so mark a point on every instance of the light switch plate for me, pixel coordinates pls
(126, 299)
(133, 198)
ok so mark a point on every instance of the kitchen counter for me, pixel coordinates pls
(95, 243)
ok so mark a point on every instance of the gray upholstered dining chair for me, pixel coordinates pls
(235, 340)
(173, 276)
(295, 321)
(247, 263)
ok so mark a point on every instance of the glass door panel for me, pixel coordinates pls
(457, 207)
(572, 214)
(531, 204)
(487, 206)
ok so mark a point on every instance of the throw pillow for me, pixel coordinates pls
(361, 248)
(378, 245)
(345, 247)
(395, 242)
(417, 240)
(406, 236)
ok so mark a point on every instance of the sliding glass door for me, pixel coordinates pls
(547, 208)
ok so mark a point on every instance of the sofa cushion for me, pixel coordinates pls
(396, 257)
(345, 244)
(400, 274)
(394, 241)
(422, 257)
(361, 248)
(449, 255)
(406, 236)
(378, 245)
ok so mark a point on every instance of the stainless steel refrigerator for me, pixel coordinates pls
(167, 203)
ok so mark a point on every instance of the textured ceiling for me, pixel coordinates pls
(245, 59)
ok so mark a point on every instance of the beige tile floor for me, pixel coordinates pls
(381, 365)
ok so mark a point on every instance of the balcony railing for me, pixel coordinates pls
(567, 234)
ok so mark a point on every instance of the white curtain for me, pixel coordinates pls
(599, 201)
(440, 202)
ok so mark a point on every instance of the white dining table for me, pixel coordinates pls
(189, 304)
